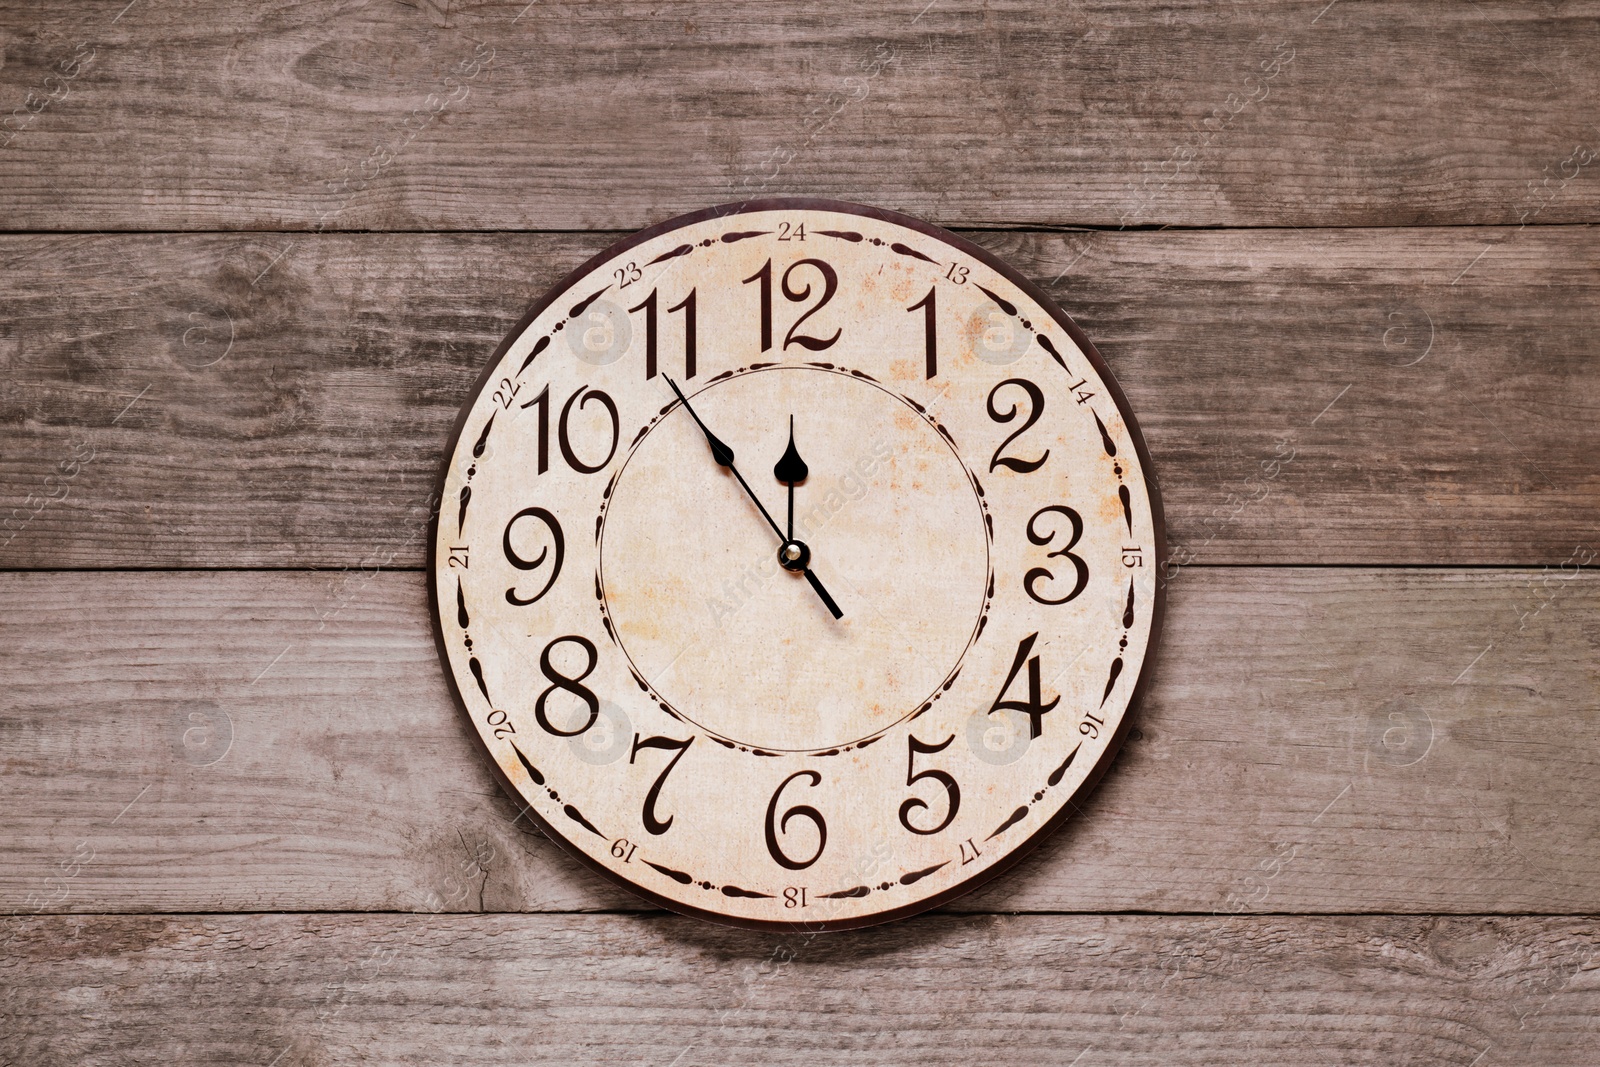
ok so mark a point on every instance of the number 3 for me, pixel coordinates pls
(1078, 564)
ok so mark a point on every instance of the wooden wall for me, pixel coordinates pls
(252, 256)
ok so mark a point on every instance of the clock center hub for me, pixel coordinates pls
(794, 556)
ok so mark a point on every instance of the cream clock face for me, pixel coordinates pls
(797, 564)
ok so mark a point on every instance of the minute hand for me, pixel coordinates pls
(724, 457)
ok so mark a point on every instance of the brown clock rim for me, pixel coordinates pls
(1037, 295)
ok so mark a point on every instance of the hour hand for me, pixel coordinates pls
(796, 555)
(791, 470)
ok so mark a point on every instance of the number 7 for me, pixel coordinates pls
(651, 823)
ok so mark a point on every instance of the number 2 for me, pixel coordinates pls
(1035, 409)
(830, 283)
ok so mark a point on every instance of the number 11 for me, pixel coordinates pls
(649, 309)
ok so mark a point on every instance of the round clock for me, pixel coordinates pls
(797, 564)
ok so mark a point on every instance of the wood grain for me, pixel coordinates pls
(1317, 740)
(1348, 787)
(338, 989)
(614, 115)
(252, 400)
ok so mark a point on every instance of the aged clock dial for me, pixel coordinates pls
(797, 564)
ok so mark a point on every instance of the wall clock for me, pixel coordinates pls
(797, 564)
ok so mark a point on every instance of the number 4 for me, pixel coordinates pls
(1032, 707)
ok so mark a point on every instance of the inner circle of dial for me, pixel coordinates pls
(728, 638)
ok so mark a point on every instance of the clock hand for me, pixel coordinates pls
(793, 555)
(827, 600)
(724, 457)
(790, 470)
(719, 451)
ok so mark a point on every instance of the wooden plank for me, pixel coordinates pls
(250, 400)
(501, 116)
(1320, 740)
(338, 989)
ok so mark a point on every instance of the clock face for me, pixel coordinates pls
(797, 564)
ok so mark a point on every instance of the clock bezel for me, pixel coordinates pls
(1113, 389)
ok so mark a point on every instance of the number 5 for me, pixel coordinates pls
(913, 777)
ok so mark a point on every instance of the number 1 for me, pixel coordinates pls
(764, 276)
(930, 338)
